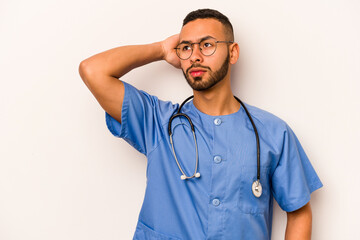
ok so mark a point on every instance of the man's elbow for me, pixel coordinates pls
(88, 74)
(84, 69)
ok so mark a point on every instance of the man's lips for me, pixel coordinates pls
(196, 72)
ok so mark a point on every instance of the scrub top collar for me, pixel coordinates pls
(211, 117)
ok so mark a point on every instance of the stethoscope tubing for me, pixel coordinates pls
(178, 114)
(257, 137)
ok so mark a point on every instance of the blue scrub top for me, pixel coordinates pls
(220, 204)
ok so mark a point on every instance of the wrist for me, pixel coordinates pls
(159, 49)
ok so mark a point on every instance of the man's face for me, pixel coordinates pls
(203, 72)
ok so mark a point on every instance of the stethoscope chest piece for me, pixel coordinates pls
(256, 188)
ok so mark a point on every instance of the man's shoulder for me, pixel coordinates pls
(269, 125)
(266, 118)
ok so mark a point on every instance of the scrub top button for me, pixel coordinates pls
(217, 121)
(216, 202)
(217, 159)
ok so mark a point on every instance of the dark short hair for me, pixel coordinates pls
(211, 13)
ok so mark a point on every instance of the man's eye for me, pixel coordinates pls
(207, 44)
(186, 48)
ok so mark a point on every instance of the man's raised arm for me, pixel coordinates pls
(102, 71)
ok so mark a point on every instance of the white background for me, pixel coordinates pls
(64, 176)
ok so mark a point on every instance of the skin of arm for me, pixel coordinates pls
(102, 71)
(299, 224)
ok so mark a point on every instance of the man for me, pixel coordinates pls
(220, 203)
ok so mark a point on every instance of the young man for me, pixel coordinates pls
(226, 200)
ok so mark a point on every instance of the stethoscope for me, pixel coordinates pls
(256, 186)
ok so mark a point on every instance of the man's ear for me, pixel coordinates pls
(234, 53)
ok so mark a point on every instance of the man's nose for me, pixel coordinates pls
(196, 55)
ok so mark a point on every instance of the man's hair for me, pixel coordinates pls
(214, 14)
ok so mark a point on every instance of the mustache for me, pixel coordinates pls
(196, 65)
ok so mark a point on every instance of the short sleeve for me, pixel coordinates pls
(294, 178)
(142, 117)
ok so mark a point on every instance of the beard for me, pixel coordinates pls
(199, 84)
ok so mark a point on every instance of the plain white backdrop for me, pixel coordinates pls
(64, 176)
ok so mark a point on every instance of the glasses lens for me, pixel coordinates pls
(208, 47)
(184, 50)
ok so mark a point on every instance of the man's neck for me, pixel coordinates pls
(216, 101)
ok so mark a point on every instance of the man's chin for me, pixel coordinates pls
(195, 81)
(198, 83)
(198, 87)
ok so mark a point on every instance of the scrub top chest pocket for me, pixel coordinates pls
(247, 202)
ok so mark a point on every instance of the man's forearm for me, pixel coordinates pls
(299, 224)
(118, 61)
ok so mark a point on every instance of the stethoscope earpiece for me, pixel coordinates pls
(256, 186)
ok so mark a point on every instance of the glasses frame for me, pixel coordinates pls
(192, 48)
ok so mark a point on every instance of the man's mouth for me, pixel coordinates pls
(197, 72)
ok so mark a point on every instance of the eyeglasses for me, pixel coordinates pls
(207, 48)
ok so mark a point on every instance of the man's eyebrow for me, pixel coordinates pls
(202, 39)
